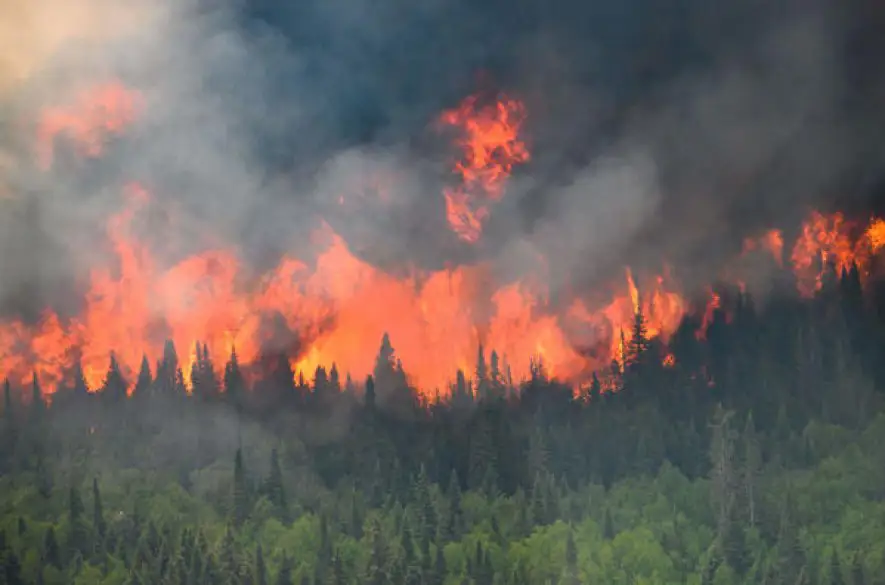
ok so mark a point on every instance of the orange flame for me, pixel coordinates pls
(491, 146)
(772, 241)
(104, 110)
(828, 240)
(335, 308)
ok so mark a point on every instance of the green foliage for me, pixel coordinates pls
(743, 463)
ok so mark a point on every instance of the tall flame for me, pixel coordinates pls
(335, 308)
(489, 138)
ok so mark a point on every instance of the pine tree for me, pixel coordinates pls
(334, 380)
(439, 567)
(722, 472)
(324, 554)
(10, 430)
(482, 458)
(274, 487)
(735, 548)
(38, 406)
(752, 463)
(114, 386)
(452, 527)
(571, 576)
(595, 391)
(538, 503)
(370, 393)
(424, 504)
(538, 456)
(320, 385)
(384, 372)
(482, 374)
(240, 490)
(204, 381)
(376, 573)
(496, 379)
(51, 549)
(77, 534)
(170, 379)
(98, 522)
(637, 349)
(45, 482)
(608, 526)
(260, 567)
(144, 381)
(234, 383)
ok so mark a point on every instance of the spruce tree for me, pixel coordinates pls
(114, 387)
(276, 492)
(234, 383)
(571, 561)
(144, 381)
(260, 567)
(51, 549)
(98, 521)
(240, 490)
(453, 524)
(77, 534)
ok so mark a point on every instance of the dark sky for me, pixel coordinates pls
(753, 111)
(666, 129)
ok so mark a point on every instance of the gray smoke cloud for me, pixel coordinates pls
(654, 133)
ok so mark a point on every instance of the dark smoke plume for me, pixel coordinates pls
(657, 129)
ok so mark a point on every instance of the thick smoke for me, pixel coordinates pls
(656, 131)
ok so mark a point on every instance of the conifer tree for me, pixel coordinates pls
(482, 374)
(452, 526)
(376, 573)
(114, 386)
(274, 487)
(234, 383)
(38, 406)
(260, 567)
(571, 576)
(370, 393)
(98, 521)
(240, 490)
(424, 505)
(144, 381)
(334, 380)
(51, 549)
(77, 534)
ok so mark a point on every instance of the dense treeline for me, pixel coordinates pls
(755, 456)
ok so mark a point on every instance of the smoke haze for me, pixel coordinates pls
(655, 131)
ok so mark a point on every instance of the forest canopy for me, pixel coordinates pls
(755, 457)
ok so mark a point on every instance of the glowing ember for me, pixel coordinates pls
(489, 138)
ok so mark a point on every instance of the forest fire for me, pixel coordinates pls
(101, 111)
(491, 144)
(335, 308)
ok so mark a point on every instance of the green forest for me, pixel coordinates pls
(757, 457)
